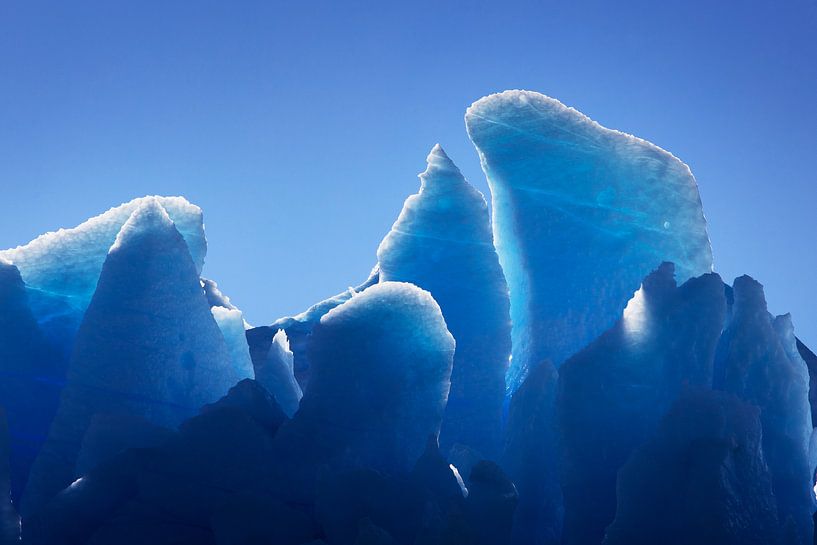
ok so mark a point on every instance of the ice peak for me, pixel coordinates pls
(437, 158)
(280, 339)
(441, 171)
(749, 293)
(150, 216)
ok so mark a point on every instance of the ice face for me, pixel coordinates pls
(532, 461)
(581, 214)
(811, 363)
(701, 479)
(231, 323)
(9, 519)
(442, 242)
(381, 365)
(759, 362)
(61, 268)
(613, 393)
(31, 376)
(275, 372)
(148, 346)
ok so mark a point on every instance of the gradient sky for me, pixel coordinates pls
(299, 127)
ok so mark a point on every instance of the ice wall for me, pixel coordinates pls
(613, 393)
(31, 377)
(701, 479)
(759, 362)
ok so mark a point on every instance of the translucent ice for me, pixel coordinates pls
(275, 372)
(148, 346)
(581, 214)
(61, 268)
(231, 323)
(442, 242)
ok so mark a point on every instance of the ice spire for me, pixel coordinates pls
(442, 242)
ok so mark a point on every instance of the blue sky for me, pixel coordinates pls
(299, 127)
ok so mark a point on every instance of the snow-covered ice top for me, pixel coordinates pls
(381, 375)
(148, 346)
(66, 263)
(581, 214)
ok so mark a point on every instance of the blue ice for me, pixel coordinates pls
(581, 214)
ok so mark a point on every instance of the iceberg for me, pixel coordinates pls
(581, 214)
(148, 347)
(759, 362)
(613, 394)
(645, 400)
(442, 242)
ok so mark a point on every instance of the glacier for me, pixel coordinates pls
(148, 346)
(646, 401)
(442, 242)
(581, 214)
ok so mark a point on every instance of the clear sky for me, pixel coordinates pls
(299, 127)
